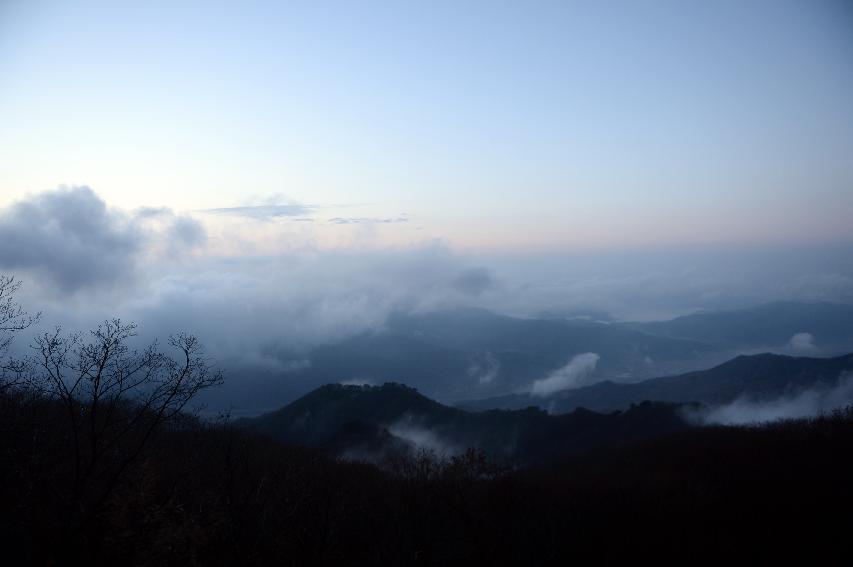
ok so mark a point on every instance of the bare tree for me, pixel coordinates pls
(115, 398)
(13, 319)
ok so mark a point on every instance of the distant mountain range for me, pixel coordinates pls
(770, 325)
(761, 377)
(378, 422)
(470, 354)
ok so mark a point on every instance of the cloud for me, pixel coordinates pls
(187, 231)
(484, 367)
(802, 343)
(656, 284)
(369, 220)
(820, 287)
(422, 438)
(267, 207)
(270, 310)
(473, 281)
(161, 226)
(357, 382)
(809, 403)
(573, 375)
(71, 239)
(264, 212)
(86, 262)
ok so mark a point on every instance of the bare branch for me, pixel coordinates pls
(13, 320)
(116, 397)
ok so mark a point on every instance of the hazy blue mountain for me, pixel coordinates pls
(371, 422)
(769, 325)
(471, 352)
(467, 354)
(758, 377)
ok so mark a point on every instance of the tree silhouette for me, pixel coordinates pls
(115, 399)
(13, 319)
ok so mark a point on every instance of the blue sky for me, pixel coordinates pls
(491, 125)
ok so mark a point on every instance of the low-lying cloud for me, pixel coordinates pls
(270, 310)
(575, 374)
(422, 438)
(484, 367)
(809, 403)
(474, 281)
(803, 344)
(262, 309)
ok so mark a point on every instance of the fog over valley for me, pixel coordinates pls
(285, 322)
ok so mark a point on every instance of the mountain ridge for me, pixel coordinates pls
(764, 376)
(375, 422)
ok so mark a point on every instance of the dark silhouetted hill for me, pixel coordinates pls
(371, 421)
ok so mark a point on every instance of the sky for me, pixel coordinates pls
(522, 127)
(287, 174)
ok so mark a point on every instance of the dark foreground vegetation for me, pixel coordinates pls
(211, 494)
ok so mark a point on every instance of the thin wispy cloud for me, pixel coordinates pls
(575, 374)
(369, 220)
(263, 212)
